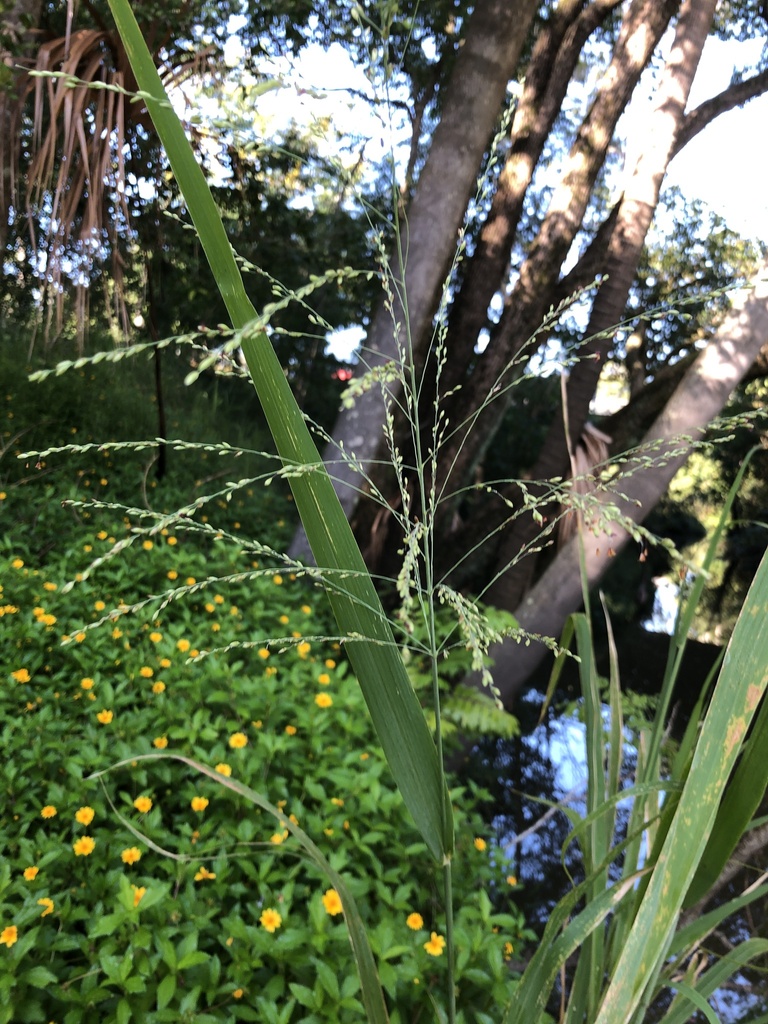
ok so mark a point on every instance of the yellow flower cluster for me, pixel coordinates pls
(84, 815)
(332, 902)
(270, 920)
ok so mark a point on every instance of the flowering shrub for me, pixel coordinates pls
(161, 896)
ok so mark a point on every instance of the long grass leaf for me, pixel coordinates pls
(394, 708)
(741, 685)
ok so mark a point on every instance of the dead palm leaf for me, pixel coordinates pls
(83, 119)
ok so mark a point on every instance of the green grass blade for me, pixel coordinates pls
(713, 979)
(531, 995)
(373, 998)
(745, 792)
(737, 695)
(394, 708)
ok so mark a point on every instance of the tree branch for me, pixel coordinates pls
(734, 96)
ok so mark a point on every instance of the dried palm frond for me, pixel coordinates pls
(79, 92)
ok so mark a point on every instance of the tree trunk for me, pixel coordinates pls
(496, 33)
(638, 206)
(700, 396)
(526, 306)
(550, 69)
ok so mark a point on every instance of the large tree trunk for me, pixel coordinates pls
(551, 67)
(487, 60)
(624, 250)
(700, 396)
(526, 306)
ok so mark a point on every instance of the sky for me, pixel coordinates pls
(724, 165)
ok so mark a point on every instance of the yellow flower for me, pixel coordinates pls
(223, 769)
(306, 609)
(203, 874)
(47, 619)
(30, 874)
(210, 607)
(158, 687)
(131, 855)
(199, 803)
(323, 700)
(172, 574)
(511, 880)
(49, 811)
(99, 606)
(277, 580)
(147, 545)
(21, 675)
(143, 804)
(86, 683)
(161, 742)
(84, 846)
(155, 637)
(263, 653)
(480, 844)
(146, 672)
(84, 816)
(283, 620)
(10, 934)
(116, 633)
(17, 563)
(239, 992)
(101, 535)
(138, 893)
(291, 730)
(332, 902)
(303, 649)
(337, 801)
(435, 945)
(48, 904)
(324, 679)
(238, 740)
(415, 921)
(190, 581)
(79, 637)
(172, 541)
(270, 920)
(105, 717)
(279, 837)
(165, 663)
(183, 645)
(218, 599)
(330, 663)
(508, 950)
(50, 586)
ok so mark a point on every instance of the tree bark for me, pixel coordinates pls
(625, 247)
(643, 26)
(496, 33)
(550, 70)
(700, 396)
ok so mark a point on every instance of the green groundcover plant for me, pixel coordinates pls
(155, 893)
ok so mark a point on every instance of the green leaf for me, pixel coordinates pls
(123, 1012)
(737, 696)
(192, 959)
(166, 991)
(38, 977)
